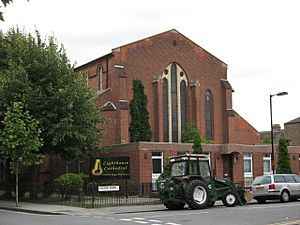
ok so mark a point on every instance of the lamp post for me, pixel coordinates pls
(272, 135)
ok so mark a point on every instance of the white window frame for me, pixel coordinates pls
(247, 157)
(156, 175)
(161, 157)
(267, 158)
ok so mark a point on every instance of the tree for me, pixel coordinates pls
(267, 140)
(20, 140)
(190, 134)
(39, 74)
(139, 127)
(283, 161)
(166, 170)
(5, 3)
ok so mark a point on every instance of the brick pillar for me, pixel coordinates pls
(195, 101)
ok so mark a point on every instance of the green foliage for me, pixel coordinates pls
(38, 74)
(206, 141)
(20, 140)
(69, 183)
(267, 140)
(139, 127)
(166, 171)
(191, 134)
(20, 137)
(283, 161)
(5, 3)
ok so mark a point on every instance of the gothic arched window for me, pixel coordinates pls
(174, 102)
(208, 115)
(165, 110)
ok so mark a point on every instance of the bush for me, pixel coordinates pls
(68, 184)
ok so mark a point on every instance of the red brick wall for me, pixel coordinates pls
(240, 131)
(141, 160)
(148, 58)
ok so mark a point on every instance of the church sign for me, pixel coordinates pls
(110, 168)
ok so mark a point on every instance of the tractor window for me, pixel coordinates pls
(178, 169)
(193, 170)
(204, 168)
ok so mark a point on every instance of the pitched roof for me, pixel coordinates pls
(297, 120)
(172, 30)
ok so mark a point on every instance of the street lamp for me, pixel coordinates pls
(272, 136)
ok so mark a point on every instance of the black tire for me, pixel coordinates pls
(285, 196)
(229, 199)
(211, 203)
(196, 194)
(261, 201)
(174, 206)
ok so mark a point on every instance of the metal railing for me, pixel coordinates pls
(89, 196)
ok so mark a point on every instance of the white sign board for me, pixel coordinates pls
(108, 188)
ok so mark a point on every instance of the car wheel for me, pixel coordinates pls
(285, 196)
(196, 194)
(229, 199)
(261, 201)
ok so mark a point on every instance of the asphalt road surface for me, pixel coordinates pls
(270, 213)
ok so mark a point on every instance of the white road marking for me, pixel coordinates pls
(142, 222)
(97, 217)
(126, 220)
(173, 224)
(155, 221)
(138, 218)
(179, 214)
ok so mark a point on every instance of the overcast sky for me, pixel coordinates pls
(259, 40)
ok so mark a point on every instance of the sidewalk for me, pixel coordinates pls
(69, 210)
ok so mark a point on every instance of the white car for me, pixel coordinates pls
(284, 187)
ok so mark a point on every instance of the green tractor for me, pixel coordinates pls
(191, 183)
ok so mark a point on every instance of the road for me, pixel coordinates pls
(271, 213)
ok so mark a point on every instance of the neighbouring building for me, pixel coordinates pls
(292, 131)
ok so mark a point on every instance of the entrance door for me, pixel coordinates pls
(227, 166)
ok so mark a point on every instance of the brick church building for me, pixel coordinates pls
(184, 83)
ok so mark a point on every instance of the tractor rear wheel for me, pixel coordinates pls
(211, 203)
(174, 206)
(196, 194)
(229, 199)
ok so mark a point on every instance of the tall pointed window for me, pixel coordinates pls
(165, 110)
(208, 115)
(174, 102)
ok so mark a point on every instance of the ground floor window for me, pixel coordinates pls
(248, 174)
(157, 167)
(267, 163)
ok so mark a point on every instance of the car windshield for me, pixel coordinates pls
(178, 168)
(262, 180)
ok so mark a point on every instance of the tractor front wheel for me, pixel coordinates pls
(197, 194)
(229, 199)
(174, 206)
